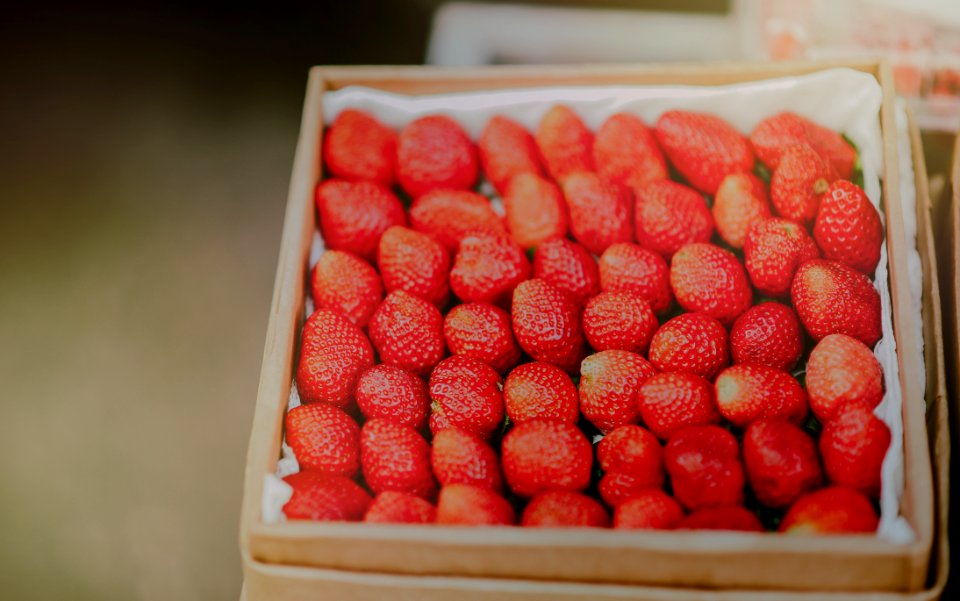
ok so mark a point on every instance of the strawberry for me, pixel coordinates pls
(747, 392)
(536, 211)
(798, 183)
(670, 401)
(853, 445)
(616, 488)
(619, 320)
(774, 135)
(345, 283)
(322, 497)
(408, 332)
(483, 332)
(741, 202)
(358, 147)
(543, 454)
(831, 298)
(632, 460)
(466, 505)
(626, 267)
(487, 268)
(565, 143)
(395, 457)
(415, 262)
(781, 461)
(353, 215)
(842, 370)
(333, 354)
(704, 467)
(507, 149)
(767, 334)
(668, 215)
(831, 510)
(434, 152)
(608, 388)
(392, 507)
(691, 342)
(323, 439)
(600, 214)
(773, 250)
(449, 215)
(466, 395)
(710, 279)
(564, 508)
(702, 147)
(650, 509)
(725, 517)
(546, 323)
(391, 393)
(459, 457)
(569, 267)
(540, 390)
(626, 153)
(848, 227)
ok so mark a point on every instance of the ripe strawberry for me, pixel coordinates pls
(831, 510)
(345, 283)
(600, 214)
(704, 467)
(626, 267)
(536, 211)
(632, 460)
(608, 388)
(564, 508)
(487, 268)
(848, 227)
(434, 152)
(392, 507)
(540, 390)
(703, 148)
(741, 202)
(710, 279)
(466, 395)
(831, 298)
(333, 354)
(725, 517)
(619, 320)
(773, 250)
(543, 454)
(668, 215)
(616, 488)
(774, 135)
(569, 267)
(691, 342)
(390, 393)
(507, 149)
(395, 457)
(322, 497)
(626, 153)
(781, 461)
(483, 332)
(798, 183)
(408, 332)
(767, 334)
(650, 509)
(415, 262)
(353, 215)
(449, 215)
(546, 323)
(670, 401)
(853, 445)
(842, 370)
(747, 392)
(358, 147)
(466, 505)
(459, 457)
(565, 143)
(323, 439)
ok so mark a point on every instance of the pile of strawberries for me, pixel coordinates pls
(639, 342)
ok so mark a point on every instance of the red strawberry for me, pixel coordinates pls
(626, 153)
(691, 342)
(540, 390)
(395, 457)
(449, 215)
(772, 252)
(466, 395)
(408, 332)
(747, 392)
(506, 150)
(767, 334)
(466, 505)
(390, 393)
(324, 439)
(725, 517)
(353, 215)
(565, 143)
(487, 268)
(616, 488)
(741, 202)
(569, 267)
(704, 467)
(608, 387)
(781, 461)
(848, 227)
(842, 370)
(853, 445)
(459, 457)
(358, 147)
(632, 460)
(627, 267)
(333, 354)
(619, 320)
(564, 508)
(414, 262)
(600, 214)
(392, 507)
(651, 509)
(483, 332)
(831, 510)
(668, 215)
(546, 323)
(831, 298)
(798, 183)
(346, 283)
(670, 401)
(536, 211)
(774, 135)
(322, 497)
(704, 148)
(434, 152)
(710, 279)
(542, 454)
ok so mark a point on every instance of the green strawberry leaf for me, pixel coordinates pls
(762, 172)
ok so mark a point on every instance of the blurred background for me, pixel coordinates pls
(146, 150)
